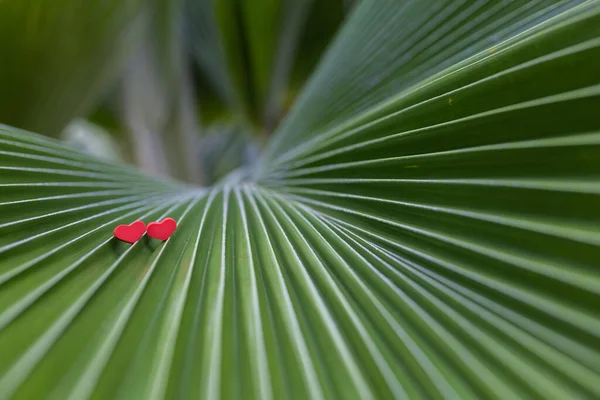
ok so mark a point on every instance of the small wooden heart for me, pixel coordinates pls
(130, 233)
(162, 230)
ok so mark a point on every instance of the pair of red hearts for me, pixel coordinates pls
(133, 232)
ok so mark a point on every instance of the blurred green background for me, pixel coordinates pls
(189, 89)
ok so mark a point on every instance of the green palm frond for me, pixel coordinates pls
(424, 224)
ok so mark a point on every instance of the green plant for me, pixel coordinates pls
(424, 223)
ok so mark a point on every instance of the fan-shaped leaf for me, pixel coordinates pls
(424, 224)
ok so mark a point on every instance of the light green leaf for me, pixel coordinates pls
(425, 224)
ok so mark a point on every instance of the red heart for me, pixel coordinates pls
(162, 230)
(130, 233)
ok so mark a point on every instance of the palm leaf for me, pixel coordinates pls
(424, 224)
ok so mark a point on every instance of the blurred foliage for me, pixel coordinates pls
(323, 22)
(253, 56)
(151, 72)
(91, 139)
(56, 57)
